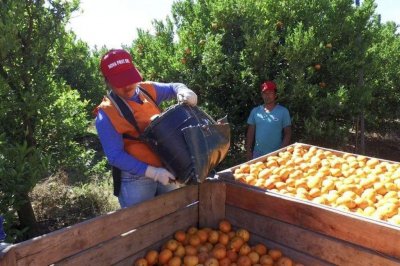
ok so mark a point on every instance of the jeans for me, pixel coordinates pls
(136, 189)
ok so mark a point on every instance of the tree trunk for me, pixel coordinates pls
(361, 85)
(362, 136)
(27, 217)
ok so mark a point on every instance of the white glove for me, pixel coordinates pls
(187, 96)
(159, 174)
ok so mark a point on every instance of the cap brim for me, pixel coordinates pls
(125, 78)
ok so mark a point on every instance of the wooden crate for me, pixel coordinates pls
(309, 234)
(227, 173)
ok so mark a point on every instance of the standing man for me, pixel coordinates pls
(138, 172)
(269, 124)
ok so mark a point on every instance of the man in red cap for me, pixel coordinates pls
(140, 173)
(269, 124)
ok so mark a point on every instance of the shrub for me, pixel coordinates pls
(58, 204)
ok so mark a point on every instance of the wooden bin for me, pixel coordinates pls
(309, 234)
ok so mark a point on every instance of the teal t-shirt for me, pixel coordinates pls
(269, 128)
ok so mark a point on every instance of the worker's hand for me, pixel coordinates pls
(187, 96)
(159, 175)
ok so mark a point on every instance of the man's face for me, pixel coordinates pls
(126, 92)
(269, 96)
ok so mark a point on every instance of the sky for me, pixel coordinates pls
(114, 23)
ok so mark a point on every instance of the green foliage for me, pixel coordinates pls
(318, 56)
(20, 169)
(41, 118)
(331, 68)
(78, 67)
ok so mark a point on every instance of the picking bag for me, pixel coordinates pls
(188, 141)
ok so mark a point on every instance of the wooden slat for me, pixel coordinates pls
(357, 230)
(137, 240)
(68, 241)
(7, 256)
(325, 248)
(212, 203)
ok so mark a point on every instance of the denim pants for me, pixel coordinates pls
(136, 189)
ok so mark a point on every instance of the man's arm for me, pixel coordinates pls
(166, 91)
(251, 129)
(287, 134)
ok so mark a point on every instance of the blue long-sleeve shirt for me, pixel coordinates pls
(111, 140)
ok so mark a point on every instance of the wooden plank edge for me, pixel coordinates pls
(212, 195)
(125, 246)
(318, 218)
(325, 248)
(71, 240)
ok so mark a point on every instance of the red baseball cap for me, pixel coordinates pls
(268, 85)
(118, 69)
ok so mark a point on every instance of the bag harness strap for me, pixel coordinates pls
(126, 111)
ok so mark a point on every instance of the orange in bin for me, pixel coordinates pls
(349, 182)
(237, 251)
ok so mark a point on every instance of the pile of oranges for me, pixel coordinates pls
(209, 247)
(349, 182)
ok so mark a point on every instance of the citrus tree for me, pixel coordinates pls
(41, 117)
(323, 55)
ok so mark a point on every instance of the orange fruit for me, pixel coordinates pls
(213, 237)
(164, 256)
(225, 226)
(190, 250)
(180, 236)
(190, 260)
(152, 257)
(243, 261)
(218, 245)
(203, 256)
(236, 243)
(141, 262)
(180, 251)
(260, 249)
(243, 233)
(232, 255)
(172, 245)
(175, 261)
(211, 262)
(219, 253)
(266, 260)
(284, 261)
(192, 230)
(194, 240)
(275, 254)
(244, 249)
(254, 257)
(225, 262)
(223, 239)
(203, 235)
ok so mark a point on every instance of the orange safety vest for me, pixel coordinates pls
(142, 113)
